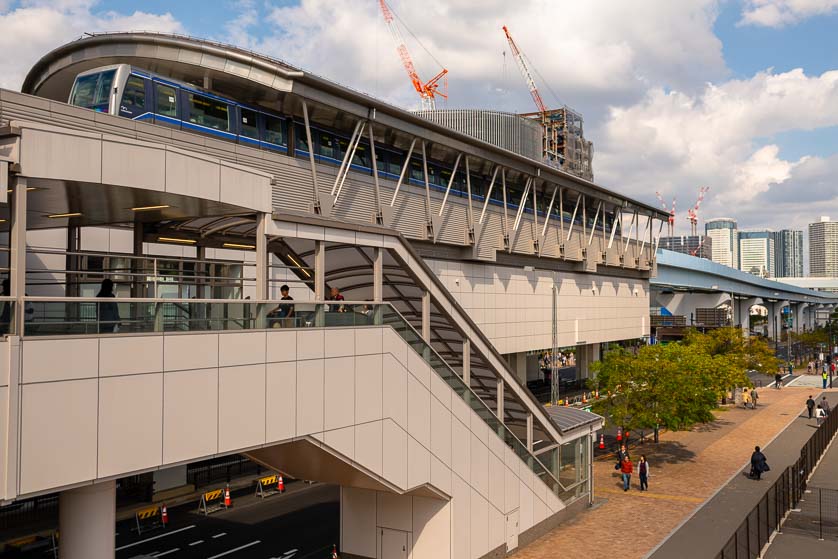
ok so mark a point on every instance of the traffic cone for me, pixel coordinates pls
(601, 441)
(584, 398)
(227, 501)
(280, 485)
(619, 433)
(164, 515)
(334, 552)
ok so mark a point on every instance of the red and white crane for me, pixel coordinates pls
(671, 213)
(426, 90)
(525, 71)
(692, 213)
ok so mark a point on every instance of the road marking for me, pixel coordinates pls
(167, 552)
(155, 537)
(196, 542)
(219, 535)
(663, 496)
(290, 553)
(245, 546)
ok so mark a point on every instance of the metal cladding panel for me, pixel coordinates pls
(409, 212)
(550, 243)
(357, 199)
(491, 237)
(523, 238)
(567, 418)
(292, 188)
(454, 223)
(506, 130)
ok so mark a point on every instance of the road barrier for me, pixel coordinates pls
(148, 519)
(269, 485)
(211, 501)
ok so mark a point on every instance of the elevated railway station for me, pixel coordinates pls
(152, 223)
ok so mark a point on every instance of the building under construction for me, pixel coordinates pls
(555, 137)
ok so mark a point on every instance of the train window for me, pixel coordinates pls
(327, 147)
(362, 156)
(275, 131)
(444, 177)
(249, 125)
(417, 173)
(93, 91)
(166, 100)
(133, 97)
(394, 163)
(301, 142)
(209, 112)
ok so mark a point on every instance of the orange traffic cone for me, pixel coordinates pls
(227, 501)
(619, 433)
(601, 441)
(280, 485)
(334, 552)
(164, 515)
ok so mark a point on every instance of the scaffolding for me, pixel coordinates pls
(564, 143)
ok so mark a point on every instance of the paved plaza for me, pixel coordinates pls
(687, 469)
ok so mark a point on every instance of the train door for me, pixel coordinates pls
(166, 104)
(135, 101)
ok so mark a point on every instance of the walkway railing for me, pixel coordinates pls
(75, 316)
(785, 494)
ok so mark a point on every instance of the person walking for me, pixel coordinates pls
(820, 415)
(746, 399)
(759, 464)
(626, 469)
(825, 406)
(621, 455)
(810, 405)
(643, 471)
(754, 396)
(824, 378)
(777, 380)
(108, 311)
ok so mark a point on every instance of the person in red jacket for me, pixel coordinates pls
(626, 469)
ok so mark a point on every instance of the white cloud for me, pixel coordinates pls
(778, 13)
(589, 53)
(675, 142)
(32, 28)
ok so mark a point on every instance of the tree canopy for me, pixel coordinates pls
(678, 384)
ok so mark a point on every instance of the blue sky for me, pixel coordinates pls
(737, 95)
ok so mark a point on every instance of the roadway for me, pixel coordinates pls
(301, 524)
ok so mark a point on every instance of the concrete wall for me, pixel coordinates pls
(514, 306)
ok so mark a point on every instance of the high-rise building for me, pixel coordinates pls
(694, 245)
(725, 246)
(788, 253)
(823, 248)
(756, 253)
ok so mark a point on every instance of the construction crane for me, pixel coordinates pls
(692, 213)
(427, 90)
(525, 71)
(671, 212)
(698, 248)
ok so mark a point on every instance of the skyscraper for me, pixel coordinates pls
(823, 248)
(788, 253)
(725, 245)
(694, 245)
(756, 253)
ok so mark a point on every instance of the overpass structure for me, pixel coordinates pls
(454, 260)
(685, 283)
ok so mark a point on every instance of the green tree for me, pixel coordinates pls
(675, 385)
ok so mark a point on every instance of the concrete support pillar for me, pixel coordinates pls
(585, 356)
(529, 432)
(138, 281)
(201, 270)
(378, 275)
(426, 316)
(319, 270)
(261, 257)
(499, 410)
(744, 306)
(86, 521)
(798, 316)
(71, 284)
(17, 251)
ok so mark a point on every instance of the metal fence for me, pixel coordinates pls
(787, 493)
(220, 469)
(817, 514)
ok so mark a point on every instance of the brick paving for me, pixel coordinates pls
(687, 468)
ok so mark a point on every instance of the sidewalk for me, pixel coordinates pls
(687, 468)
(707, 532)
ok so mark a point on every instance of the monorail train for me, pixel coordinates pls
(126, 91)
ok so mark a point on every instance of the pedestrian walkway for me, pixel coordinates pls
(687, 468)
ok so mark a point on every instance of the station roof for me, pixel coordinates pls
(259, 79)
(568, 419)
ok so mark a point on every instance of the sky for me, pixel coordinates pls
(740, 96)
